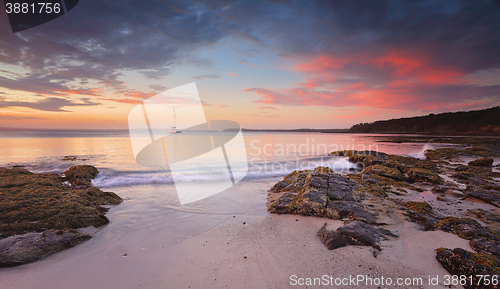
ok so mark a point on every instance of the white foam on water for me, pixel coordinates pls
(256, 170)
(421, 153)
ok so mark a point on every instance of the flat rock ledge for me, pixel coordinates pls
(320, 193)
(21, 249)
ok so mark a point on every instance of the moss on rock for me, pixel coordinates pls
(81, 175)
(419, 207)
(34, 202)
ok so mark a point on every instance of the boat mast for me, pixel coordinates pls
(175, 119)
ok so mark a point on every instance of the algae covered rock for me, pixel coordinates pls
(461, 262)
(320, 193)
(36, 202)
(81, 175)
(421, 213)
(41, 213)
(482, 162)
(465, 228)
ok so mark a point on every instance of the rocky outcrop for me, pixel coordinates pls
(42, 203)
(21, 249)
(320, 193)
(483, 162)
(380, 176)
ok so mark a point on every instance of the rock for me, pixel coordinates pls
(36, 202)
(452, 153)
(331, 239)
(352, 210)
(354, 233)
(454, 193)
(423, 175)
(359, 233)
(371, 180)
(443, 199)
(385, 172)
(367, 158)
(488, 196)
(491, 218)
(460, 262)
(421, 213)
(69, 158)
(310, 192)
(21, 249)
(81, 176)
(483, 162)
(465, 228)
(439, 188)
(487, 246)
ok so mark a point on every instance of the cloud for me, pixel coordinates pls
(383, 54)
(206, 103)
(395, 79)
(206, 76)
(12, 117)
(267, 107)
(234, 74)
(158, 87)
(102, 39)
(48, 104)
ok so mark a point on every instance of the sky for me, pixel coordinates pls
(263, 64)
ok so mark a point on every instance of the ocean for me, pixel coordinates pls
(270, 156)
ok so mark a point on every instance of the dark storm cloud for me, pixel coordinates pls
(100, 39)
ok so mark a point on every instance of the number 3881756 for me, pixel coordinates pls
(34, 8)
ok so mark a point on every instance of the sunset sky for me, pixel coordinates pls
(275, 64)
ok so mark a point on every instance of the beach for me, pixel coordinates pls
(247, 251)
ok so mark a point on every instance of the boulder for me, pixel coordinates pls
(487, 246)
(354, 233)
(482, 162)
(331, 239)
(460, 262)
(21, 249)
(465, 228)
(81, 176)
(359, 233)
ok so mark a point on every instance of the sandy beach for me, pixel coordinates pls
(262, 253)
(253, 250)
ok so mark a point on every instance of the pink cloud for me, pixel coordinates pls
(395, 79)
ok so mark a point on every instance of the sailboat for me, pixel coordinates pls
(174, 129)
